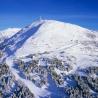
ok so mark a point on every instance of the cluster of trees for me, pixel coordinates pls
(29, 70)
(83, 85)
(6, 80)
(57, 78)
(42, 71)
(62, 66)
(59, 64)
(77, 85)
(4, 69)
(1, 53)
(9, 87)
(21, 91)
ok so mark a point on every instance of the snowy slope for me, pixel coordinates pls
(49, 38)
(9, 32)
(48, 35)
(53, 35)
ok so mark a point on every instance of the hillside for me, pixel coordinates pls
(53, 59)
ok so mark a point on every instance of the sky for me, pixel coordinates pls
(19, 13)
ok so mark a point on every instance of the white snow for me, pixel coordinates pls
(34, 89)
(7, 33)
(53, 37)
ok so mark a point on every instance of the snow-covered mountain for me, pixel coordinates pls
(62, 47)
(53, 37)
(7, 33)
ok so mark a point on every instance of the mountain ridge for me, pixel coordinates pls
(47, 49)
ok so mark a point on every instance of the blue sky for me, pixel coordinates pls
(19, 13)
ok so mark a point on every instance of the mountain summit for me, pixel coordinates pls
(48, 56)
(48, 35)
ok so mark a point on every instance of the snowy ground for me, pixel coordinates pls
(62, 40)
